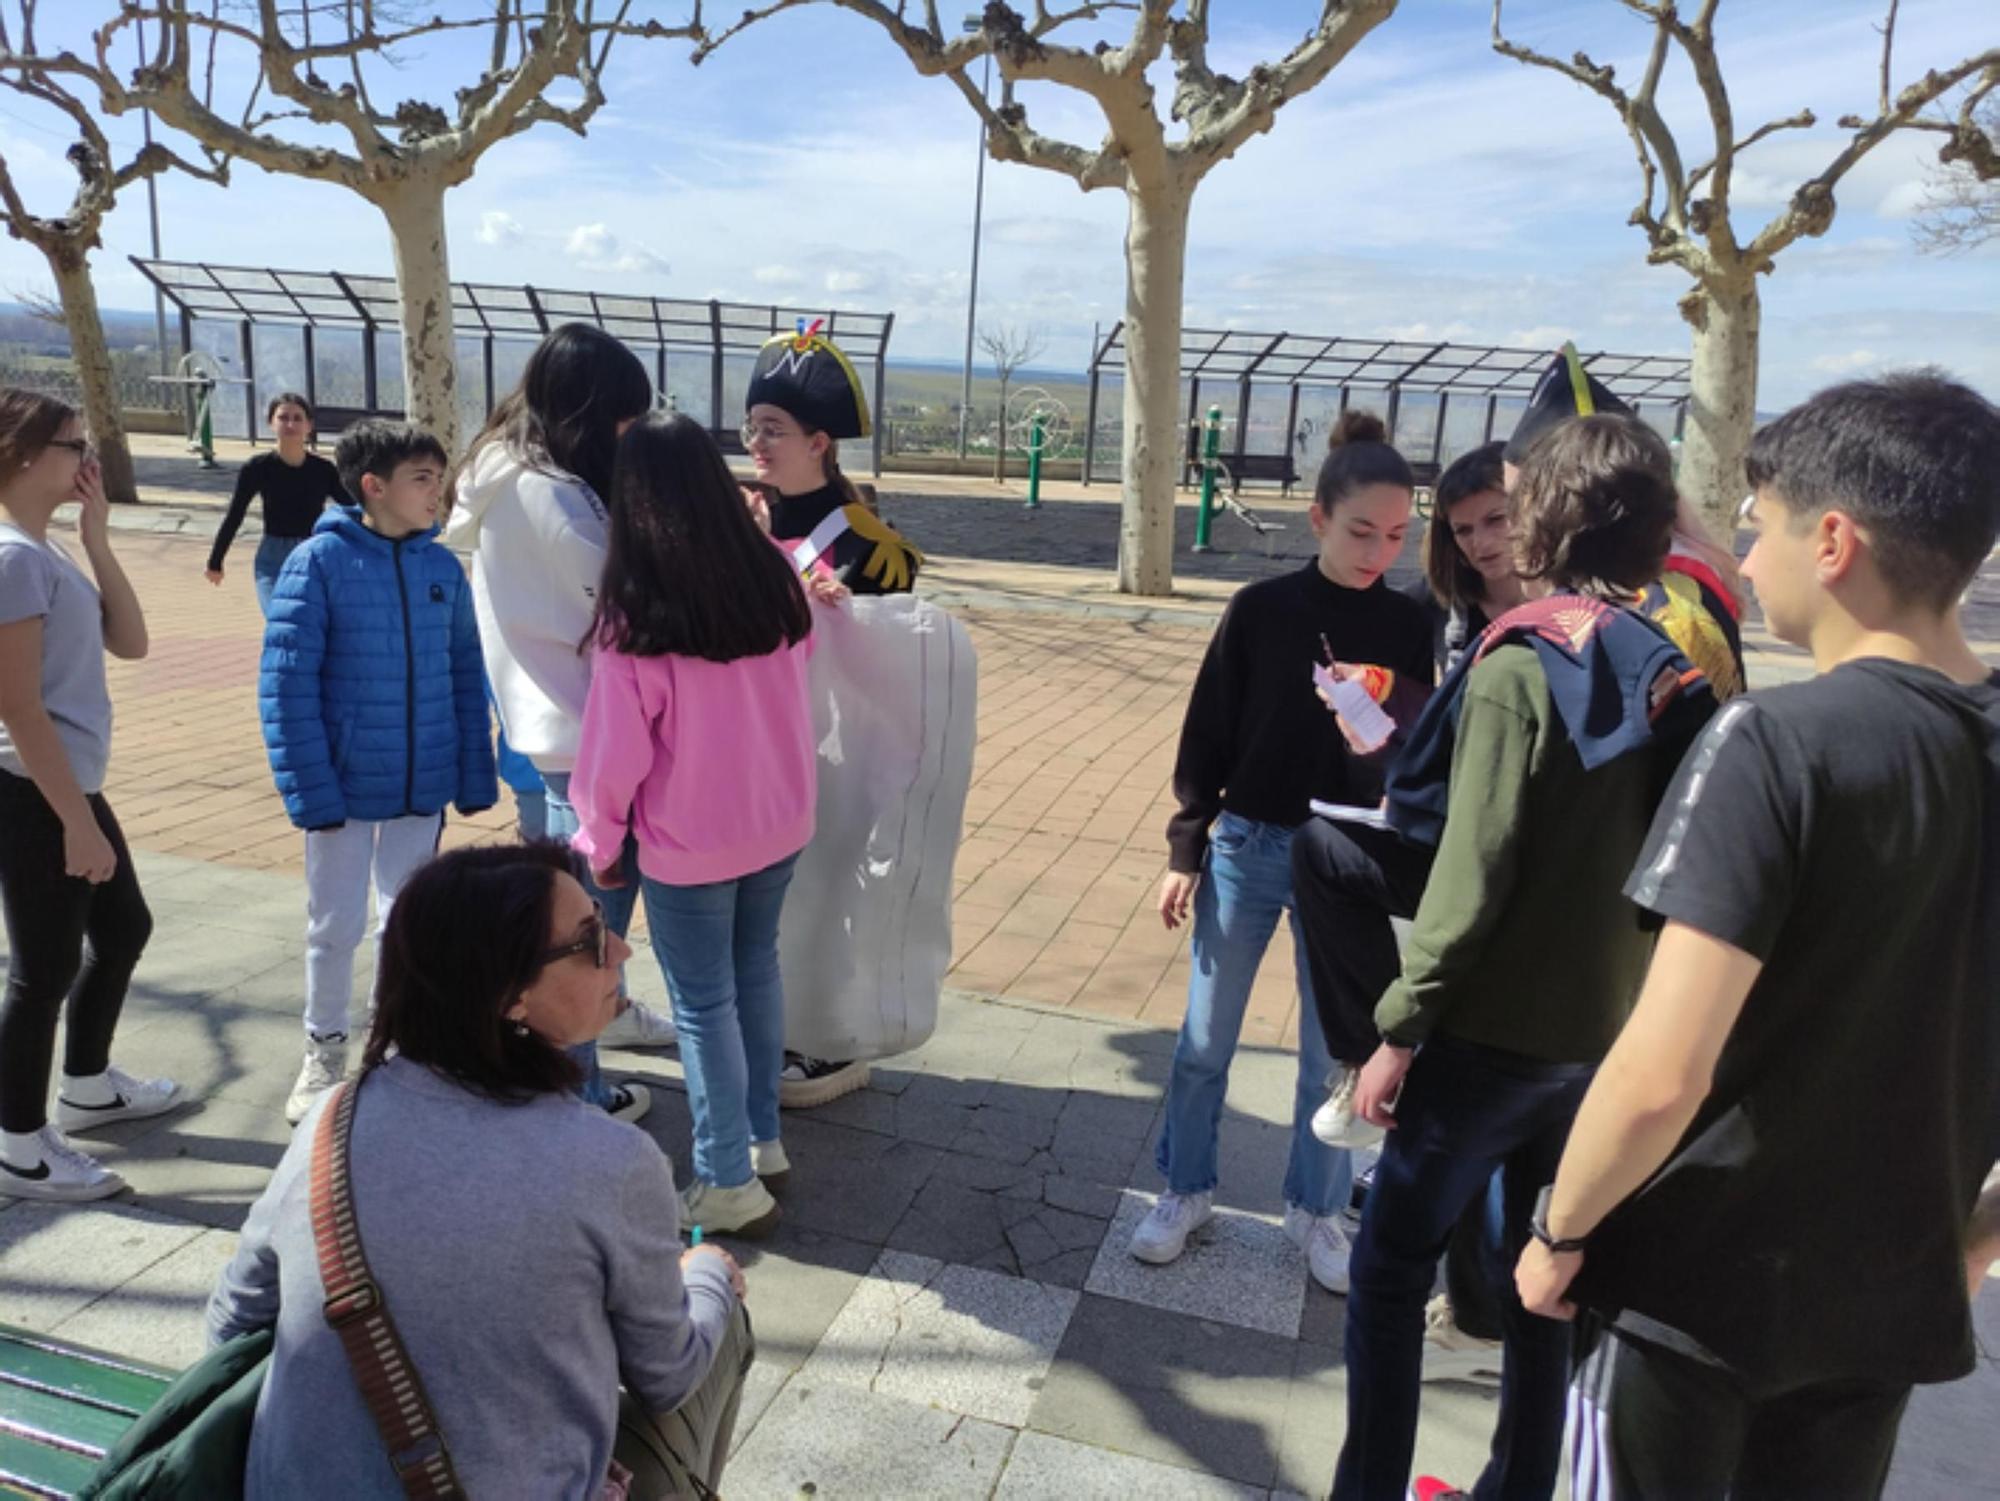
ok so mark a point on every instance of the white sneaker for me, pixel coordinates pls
(134, 1100)
(1450, 1354)
(325, 1066)
(807, 1083)
(1335, 1122)
(1163, 1234)
(639, 1026)
(629, 1103)
(769, 1162)
(1324, 1240)
(747, 1210)
(64, 1174)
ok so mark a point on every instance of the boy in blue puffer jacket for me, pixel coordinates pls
(373, 699)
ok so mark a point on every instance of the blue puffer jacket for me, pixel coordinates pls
(372, 691)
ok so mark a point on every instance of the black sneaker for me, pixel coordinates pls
(809, 1082)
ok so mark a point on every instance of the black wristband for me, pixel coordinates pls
(1538, 1225)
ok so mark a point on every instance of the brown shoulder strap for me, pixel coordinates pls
(356, 1311)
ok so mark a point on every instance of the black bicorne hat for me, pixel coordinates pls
(1565, 390)
(805, 373)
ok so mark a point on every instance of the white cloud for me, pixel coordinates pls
(595, 248)
(499, 228)
(777, 276)
(1847, 363)
(848, 281)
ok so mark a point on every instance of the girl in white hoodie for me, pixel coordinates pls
(527, 506)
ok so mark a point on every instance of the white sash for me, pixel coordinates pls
(821, 540)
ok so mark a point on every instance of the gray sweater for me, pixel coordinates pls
(530, 1255)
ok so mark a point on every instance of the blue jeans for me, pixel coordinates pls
(618, 907)
(718, 947)
(1246, 882)
(1465, 1111)
(268, 564)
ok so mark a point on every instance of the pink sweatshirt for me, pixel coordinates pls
(710, 764)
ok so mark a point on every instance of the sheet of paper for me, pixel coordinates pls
(1375, 818)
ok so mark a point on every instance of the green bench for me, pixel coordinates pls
(62, 1407)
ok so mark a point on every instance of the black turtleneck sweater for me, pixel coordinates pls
(293, 498)
(1257, 741)
(795, 516)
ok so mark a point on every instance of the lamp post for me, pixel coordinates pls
(973, 23)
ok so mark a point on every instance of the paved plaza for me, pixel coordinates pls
(948, 1309)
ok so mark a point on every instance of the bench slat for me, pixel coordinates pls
(27, 1361)
(39, 1470)
(46, 1416)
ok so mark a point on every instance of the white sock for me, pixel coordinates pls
(22, 1149)
(88, 1089)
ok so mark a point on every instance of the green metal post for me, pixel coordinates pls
(1211, 456)
(205, 432)
(1036, 438)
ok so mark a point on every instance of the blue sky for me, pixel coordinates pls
(1429, 189)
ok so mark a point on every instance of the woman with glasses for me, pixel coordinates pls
(527, 1248)
(295, 486)
(802, 400)
(528, 504)
(76, 922)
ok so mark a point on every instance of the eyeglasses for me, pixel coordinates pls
(770, 432)
(78, 446)
(596, 941)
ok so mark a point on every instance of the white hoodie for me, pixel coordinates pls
(537, 542)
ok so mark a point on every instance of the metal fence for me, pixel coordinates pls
(57, 378)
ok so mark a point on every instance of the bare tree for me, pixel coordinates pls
(1158, 174)
(312, 62)
(1685, 210)
(1961, 208)
(1009, 348)
(66, 240)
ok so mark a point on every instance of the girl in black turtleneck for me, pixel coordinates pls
(1257, 746)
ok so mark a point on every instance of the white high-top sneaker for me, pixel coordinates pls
(325, 1066)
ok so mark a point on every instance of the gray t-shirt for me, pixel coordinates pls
(530, 1255)
(40, 579)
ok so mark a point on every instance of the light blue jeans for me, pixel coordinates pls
(718, 947)
(1246, 883)
(618, 908)
(268, 563)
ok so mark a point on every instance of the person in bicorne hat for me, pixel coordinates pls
(804, 397)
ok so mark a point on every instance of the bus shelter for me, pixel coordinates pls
(333, 336)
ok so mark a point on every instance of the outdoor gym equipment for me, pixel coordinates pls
(1038, 424)
(200, 373)
(1214, 473)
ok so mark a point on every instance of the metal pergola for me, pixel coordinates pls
(1449, 372)
(314, 300)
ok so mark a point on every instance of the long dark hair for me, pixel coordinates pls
(1449, 572)
(1359, 455)
(688, 572)
(29, 422)
(579, 384)
(467, 935)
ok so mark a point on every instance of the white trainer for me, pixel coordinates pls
(1324, 1240)
(1163, 1234)
(64, 1175)
(747, 1210)
(1450, 1354)
(325, 1066)
(132, 1100)
(769, 1162)
(1335, 1122)
(639, 1026)
(629, 1103)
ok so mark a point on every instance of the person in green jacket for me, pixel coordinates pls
(1525, 955)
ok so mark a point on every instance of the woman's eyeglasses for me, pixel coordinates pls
(751, 432)
(596, 941)
(78, 446)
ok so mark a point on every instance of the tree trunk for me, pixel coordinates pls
(1722, 411)
(1000, 447)
(1155, 265)
(102, 411)
(415, 211)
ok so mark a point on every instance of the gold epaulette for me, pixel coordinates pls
(894, 562)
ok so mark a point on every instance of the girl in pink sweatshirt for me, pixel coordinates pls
(697, 743)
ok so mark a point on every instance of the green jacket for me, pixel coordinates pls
(1524, 939)
(195, 1441)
